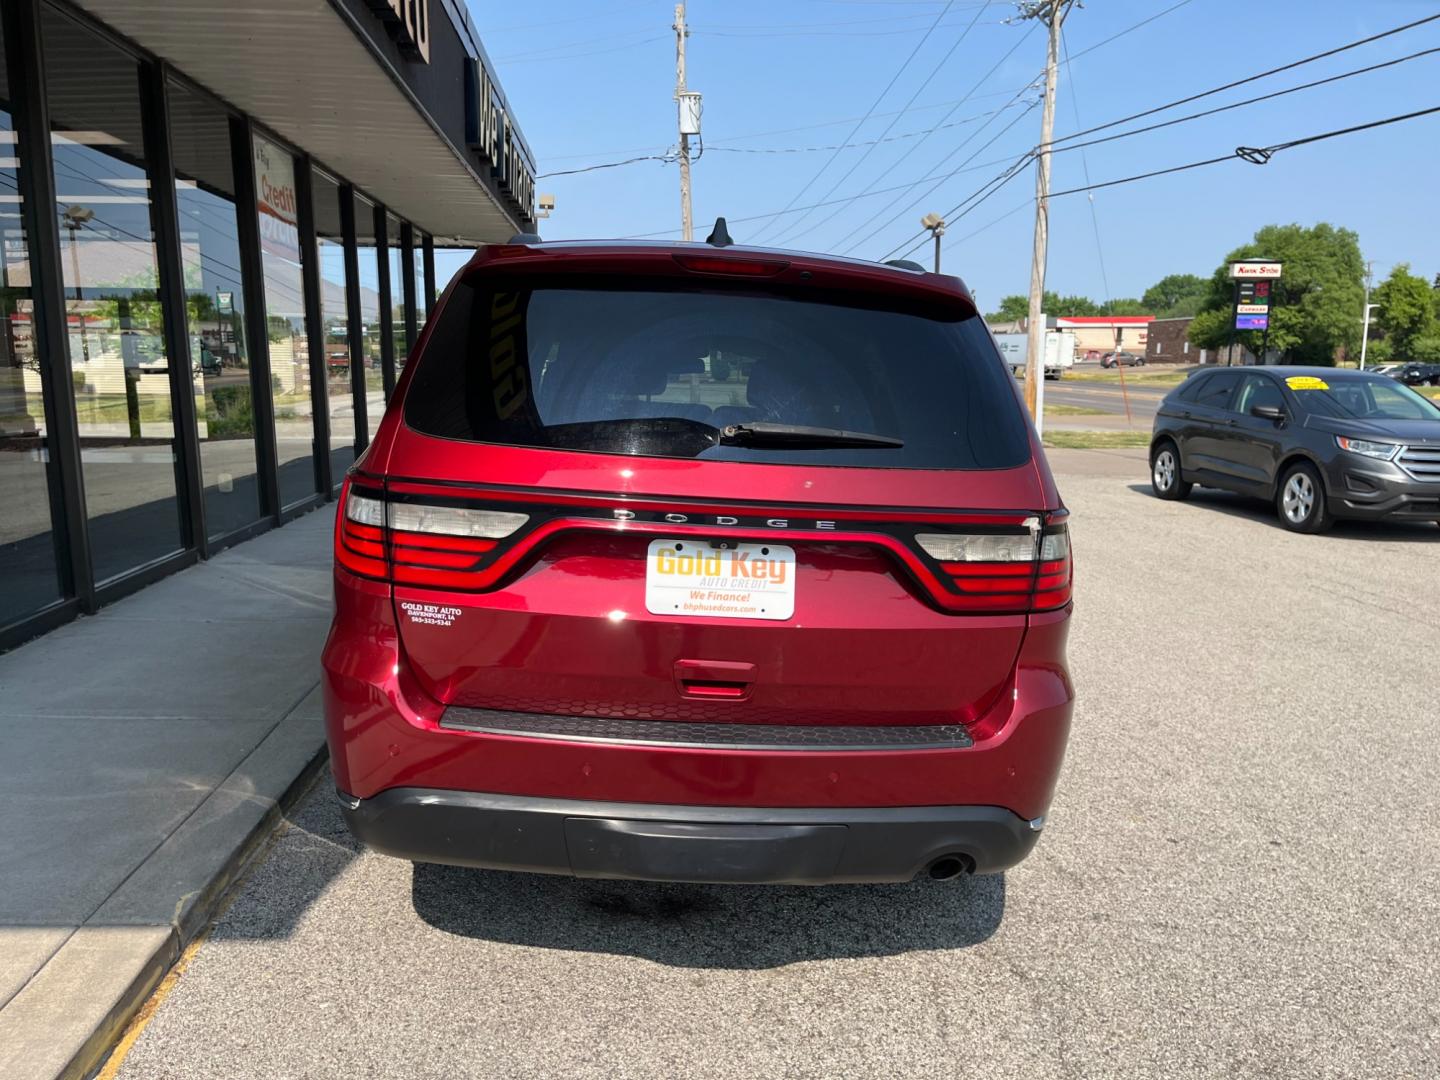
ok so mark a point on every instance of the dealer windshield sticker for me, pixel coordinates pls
(746, 581)
(429, 614)
(1306, 382)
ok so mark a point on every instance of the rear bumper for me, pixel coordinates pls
(646, 842)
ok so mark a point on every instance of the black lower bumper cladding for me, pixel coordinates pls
(647, 842)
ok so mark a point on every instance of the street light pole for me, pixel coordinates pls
(936, 224)
(1365, 330)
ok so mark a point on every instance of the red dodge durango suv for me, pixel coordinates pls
(689, 562)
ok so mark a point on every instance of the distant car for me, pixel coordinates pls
(1386, 369)
(1318, 442)
(1417, 374)
(1119, 359)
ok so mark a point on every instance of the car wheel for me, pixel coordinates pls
(1301, 500)
(1165, 473)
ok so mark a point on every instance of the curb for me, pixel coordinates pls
(64, 1024)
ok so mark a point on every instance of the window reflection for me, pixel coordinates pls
(330, 242)
(395, 255)
(369, 274)
(422, 301)
(117, 352)
(285, 320)
(28, 579)
(215, 311)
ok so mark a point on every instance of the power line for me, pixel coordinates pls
(1016, 165)
(775, 131)
(893, 79)
(604, 165)
(527, 58)
(1130, 29)
(918, 90)
(832, 202)
(965, 142)
(1242, 82)
(1249, 101)
(1007, 176)
(1255, 155)
(866, 142)
(783, 149)
(791, 208)
(975, 199)
(1085, 165)
(823, 33)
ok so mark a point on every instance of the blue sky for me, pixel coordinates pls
(592, 82)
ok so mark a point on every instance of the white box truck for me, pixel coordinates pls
(1059, 351)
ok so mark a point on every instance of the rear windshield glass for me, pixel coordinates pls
(662, 372)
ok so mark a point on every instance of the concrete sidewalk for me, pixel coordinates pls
(147, 751)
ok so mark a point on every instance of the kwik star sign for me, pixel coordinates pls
(1253, 280)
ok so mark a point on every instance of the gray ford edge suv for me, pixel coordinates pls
(1320, 443)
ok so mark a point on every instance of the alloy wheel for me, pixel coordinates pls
(1298, 498)
(1164, 470)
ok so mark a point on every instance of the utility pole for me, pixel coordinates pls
(1053, 12)
(686, 225)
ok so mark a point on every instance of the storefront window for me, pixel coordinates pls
(369, 266)
(422, 301)
(395, 254)
(121, 372)
(215, 310)
(28, 579)
(285, 320)
(330, 241)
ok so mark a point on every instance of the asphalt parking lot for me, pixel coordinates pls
(1241, 876)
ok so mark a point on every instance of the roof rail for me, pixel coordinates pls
(526, 238)
(905, 264)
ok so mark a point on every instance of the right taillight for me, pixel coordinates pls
(416, 543)
(1004, 571)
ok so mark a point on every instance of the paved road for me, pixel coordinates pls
(1241, 876)
(1144, 400)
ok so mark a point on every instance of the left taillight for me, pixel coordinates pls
(1004, 571)
(416, 543)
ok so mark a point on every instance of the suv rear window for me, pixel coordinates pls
(660, 371)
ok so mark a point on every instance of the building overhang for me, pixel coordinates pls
(344, 81)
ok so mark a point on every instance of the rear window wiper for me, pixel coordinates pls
(762, 433)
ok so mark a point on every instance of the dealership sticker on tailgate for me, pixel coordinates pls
(746, 581)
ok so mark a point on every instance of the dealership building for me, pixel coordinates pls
(219, 224)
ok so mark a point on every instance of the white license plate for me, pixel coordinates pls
(746, 581)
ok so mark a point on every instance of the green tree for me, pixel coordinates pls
(1315, 307)
(1176, 295)
(1124, 305)
(1011, 308)
(1407, 311)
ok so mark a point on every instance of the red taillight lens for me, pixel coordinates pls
(416, 543)
(1009, 571)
